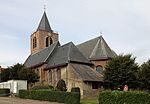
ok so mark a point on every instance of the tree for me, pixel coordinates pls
(29, 75)
(19, 72)
(144, 76)
(4, 75)
(121, 70)
(14, 71)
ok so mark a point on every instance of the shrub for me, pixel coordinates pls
(54, 96)
(61, 85)
(42, 86)
(75, 89)
(4, 92)
(120, 97)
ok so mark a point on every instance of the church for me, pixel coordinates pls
(78, 65)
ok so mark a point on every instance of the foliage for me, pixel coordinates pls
(121, 70)
(14, 71)
(144, 76)
(54, 96)
(120, 97)
(75, 89)
(29, 75)
(19, 72)
(4, 92)
(42, 86)
(61, 85)
(4, 75)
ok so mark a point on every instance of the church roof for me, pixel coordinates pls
(96, 48)
(86, 73)
(65, 54)
(40, 57)
(44, 24)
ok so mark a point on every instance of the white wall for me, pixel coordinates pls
(14, 85)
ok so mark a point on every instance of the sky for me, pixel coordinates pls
(125, 25)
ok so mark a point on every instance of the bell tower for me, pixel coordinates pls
(43, 37)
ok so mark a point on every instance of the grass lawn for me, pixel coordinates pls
(89, 101)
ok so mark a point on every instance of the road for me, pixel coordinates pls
(9, 100)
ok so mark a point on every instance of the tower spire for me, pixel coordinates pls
(44, 24)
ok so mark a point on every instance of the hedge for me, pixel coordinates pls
(120, 97)
(54, 96)
(4, 92)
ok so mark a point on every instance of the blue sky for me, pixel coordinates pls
(125, 25)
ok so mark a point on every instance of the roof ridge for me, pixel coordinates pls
(94, 49)
(88, 40)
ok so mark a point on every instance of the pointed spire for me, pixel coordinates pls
(44, 24)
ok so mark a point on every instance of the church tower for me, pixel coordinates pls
(43, 37)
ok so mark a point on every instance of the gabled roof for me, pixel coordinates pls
(96, 48)
(40, 57)
(86, 73)
(65, 54)
(44, 24)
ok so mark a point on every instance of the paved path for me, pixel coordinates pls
(8, 100)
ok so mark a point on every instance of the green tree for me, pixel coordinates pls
(29, 75)
(144, 76)
(4, 75)
(19, 72)
(121, 70)
(14, 71)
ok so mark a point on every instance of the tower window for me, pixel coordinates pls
(34, 42)
(99, 68)
(47, 41)
(51, 41)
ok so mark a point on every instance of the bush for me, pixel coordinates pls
(120, 97)
(75, 89)
(42, 86)
(54, 96)
(61, 85)
(4, 92)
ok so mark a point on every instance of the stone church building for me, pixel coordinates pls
(78, 65)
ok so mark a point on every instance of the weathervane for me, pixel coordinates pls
(44, 5)
(101, 32)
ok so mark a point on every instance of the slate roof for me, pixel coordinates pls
(44, 24)
(86, 73)
(40, 57)
(65, 54)
(96, 48)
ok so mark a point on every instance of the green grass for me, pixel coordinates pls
(89, 101)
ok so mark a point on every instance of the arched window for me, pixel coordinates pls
(99, 68)
(58, 74)
(34, 42)
(51, 41)
(50, 75)
(47, 42)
